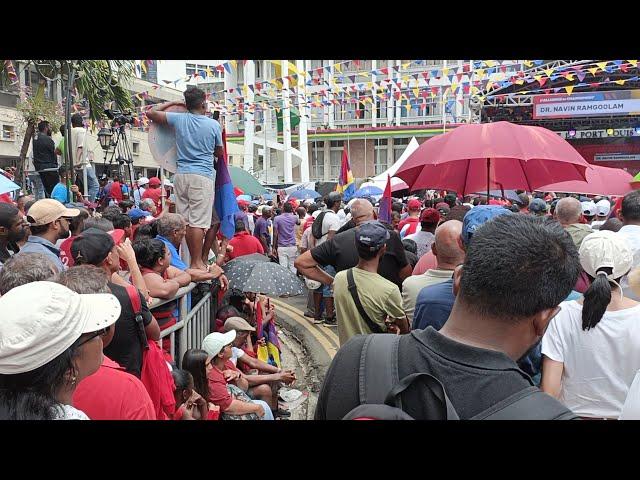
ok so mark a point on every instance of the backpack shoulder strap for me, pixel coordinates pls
(353, 290)
(378, 371)
(528, 404)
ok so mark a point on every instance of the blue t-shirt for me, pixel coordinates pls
(60, 193)
(176, 261)
(197, 136)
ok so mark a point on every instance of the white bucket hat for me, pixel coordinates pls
(215, 342)
(605, 249)
(43, 319)
(143, 181)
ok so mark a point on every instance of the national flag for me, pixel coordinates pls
(225, 200)
(384, 211)
(346, 185)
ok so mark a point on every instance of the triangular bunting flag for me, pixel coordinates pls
(569, 89)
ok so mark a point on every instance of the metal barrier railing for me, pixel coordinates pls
(192, 325)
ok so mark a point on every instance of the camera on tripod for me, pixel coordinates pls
(121, 118)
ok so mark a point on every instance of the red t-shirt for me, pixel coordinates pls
(244, 243)
(413, 225)
(65, 252)
(427, 262)
(154, 194)
(116, 191)
(6, 198)
(113, 394)
(218, 393)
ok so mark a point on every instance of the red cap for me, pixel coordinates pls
(430, 215)
(154, 182)
(414, 204)
(117, 235)
(242, 203)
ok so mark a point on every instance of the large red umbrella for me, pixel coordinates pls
(600, 181)
(492, 156)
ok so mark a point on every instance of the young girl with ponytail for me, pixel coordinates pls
(592, 347)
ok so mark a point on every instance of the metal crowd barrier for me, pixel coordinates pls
(193, 324)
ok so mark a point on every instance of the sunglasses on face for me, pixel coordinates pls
(99, 333)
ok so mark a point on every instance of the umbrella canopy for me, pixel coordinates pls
(7, 185)
(368, 191)
(259, 276)
(508, 194)
(304, 194)
(245, 181)
(246, 198)
(600, 181)
(487, 156)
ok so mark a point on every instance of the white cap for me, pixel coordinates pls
(588, 208)
(143, 181)
(603, 207)
(167, 183)
(43, 319)
(215, 342)
(605, 249)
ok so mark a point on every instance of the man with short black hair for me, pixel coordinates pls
(49, 221)
(243, 243)
(44, 157)
(198, 139)
(494, 322)
(13, 229)
(284, 237)
(81, 156)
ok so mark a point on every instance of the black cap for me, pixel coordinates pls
(91, 247)
(372, 235)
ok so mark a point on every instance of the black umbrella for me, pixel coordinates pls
(268, 278)
(238, 270)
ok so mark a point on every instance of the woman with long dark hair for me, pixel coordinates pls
(592, 347)
(50, 339)
(194, 361)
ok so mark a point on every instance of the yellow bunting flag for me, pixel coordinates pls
(593, 70)
(619, 82)
(633, 62)
(490, 63)
(569, 89)
(233, 63)
(528, 63)
(601, 65)
(338, 67)
(143, 64)
(549, 71)
(416, 92)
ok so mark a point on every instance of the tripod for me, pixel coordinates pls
(120, 146)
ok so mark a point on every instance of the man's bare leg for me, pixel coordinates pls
(194, 237)
(209, 243)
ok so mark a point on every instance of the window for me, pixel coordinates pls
(258, 64)
(399, 146)
(191, 68)
(317, 160)
(380, 160)
(8, 133)
(335, 159)
(381, 109)
(135, 148)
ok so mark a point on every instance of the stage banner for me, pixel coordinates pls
(592, 104)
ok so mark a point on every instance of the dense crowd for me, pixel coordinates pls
(521, 307)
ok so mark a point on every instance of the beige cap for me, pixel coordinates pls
(49, 210)
(605, 249)
(238, 324)
(43, 319)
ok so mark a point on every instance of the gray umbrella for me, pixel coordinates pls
(270, 279)
(238, 270)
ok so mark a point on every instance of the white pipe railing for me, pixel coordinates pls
(192, 326)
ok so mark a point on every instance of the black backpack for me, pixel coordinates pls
(316, 227)
(380, 388)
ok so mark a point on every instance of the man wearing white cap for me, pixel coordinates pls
(50, 339)
(49, 221)
(603, 207)
(592, 347)
(223, 372)
(138, 192)
(588, 210)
